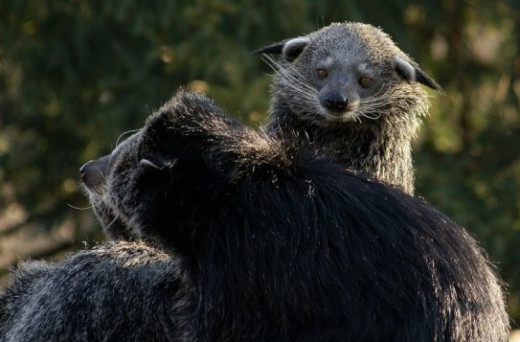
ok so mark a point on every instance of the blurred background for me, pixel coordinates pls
(76, 74)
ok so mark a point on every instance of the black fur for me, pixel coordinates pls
(274, 244)
(120, 291)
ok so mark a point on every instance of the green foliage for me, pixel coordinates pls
(75, 74)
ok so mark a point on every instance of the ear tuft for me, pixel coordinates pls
(422, 77)
(289, 49)
(413, 74)
(273, 49)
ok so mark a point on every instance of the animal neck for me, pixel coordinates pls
(380, 149)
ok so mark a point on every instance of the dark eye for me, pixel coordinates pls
(322, 73)
(365, 81)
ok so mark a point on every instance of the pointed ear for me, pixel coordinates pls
(158, 162)
(289, 49)
(413, 74)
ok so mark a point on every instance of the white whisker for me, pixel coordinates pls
(125, 133)
(294, 80)
(108, 226)
(79, 208)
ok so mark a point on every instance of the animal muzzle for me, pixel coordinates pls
(337, 103)
(93, 174)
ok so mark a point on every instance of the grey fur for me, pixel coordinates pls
(121, 291)
(372, 127)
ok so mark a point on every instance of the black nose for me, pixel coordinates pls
(335, 102)
(84, 167)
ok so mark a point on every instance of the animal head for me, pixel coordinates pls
(346, 72)
(167, 179)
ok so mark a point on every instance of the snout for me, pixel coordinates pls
(334, 102)
(337, 103)
(84, 167)
(93, 174)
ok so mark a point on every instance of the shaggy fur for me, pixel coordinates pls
(349, 89)
(123, 291)
(274, 244)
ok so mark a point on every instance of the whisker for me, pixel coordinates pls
(125, 133)
(118, 142)
(116, 178)
(108, 226)
(79, 208)
(294, 79)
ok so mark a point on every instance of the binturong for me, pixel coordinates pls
(349, 90)
(258, 240)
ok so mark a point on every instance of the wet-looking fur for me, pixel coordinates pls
(347, 88)
(264, 242)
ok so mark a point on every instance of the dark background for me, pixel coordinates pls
(74, 75)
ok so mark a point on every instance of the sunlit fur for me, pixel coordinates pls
(259, 241)
(118, 291)
(373, 134)
(97, 187)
